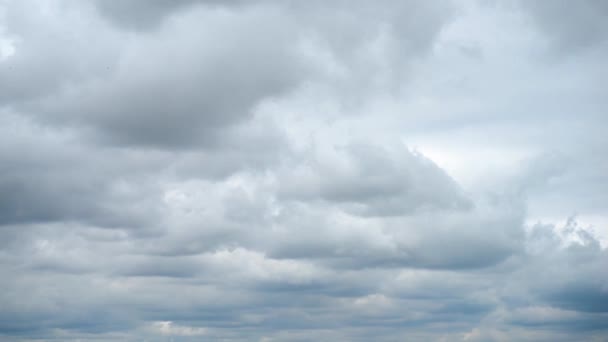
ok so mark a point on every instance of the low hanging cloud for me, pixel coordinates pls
(296, 171)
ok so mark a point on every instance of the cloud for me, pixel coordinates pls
(146, 15)
(571, 27)
(369, 181)
(50, 49)
(47, 178)
(578, 289)
(473, 238)
(295, 171)
(194, 86)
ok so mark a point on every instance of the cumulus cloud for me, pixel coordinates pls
(296, 171)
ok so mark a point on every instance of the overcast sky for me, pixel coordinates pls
(240, 170)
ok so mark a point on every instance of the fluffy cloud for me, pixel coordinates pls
(294, 171)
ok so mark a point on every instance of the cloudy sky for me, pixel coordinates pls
(239, 170)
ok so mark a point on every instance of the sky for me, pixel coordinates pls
(266, 170)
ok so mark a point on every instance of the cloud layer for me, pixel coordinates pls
(296, 171)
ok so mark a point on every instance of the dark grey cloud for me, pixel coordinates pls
(46, 177)
(581, 288)
(295, 171)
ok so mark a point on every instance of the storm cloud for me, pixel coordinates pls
(303, 171)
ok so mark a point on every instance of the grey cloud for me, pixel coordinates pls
(371, 181)
(580, 297)
(228, 311)
(254, 145)
(472, 238)
(207, 170)
(581, 288)
(160, 267)
(145, 14)
(571, 26)
(361, 48)
(193, 85)
(197, 87)
(51, 49)
(49, 179)
(572, 180)
(346, 26)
